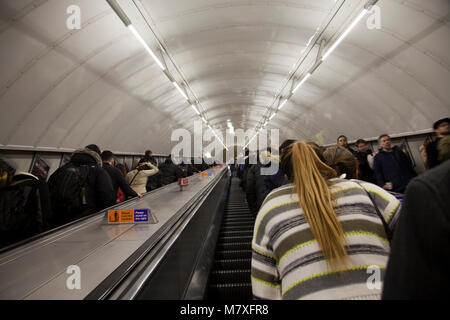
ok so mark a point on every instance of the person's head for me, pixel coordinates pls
(122, 168)
(341, 160)
(310, 177)
(148, 153)
(385, 142)
(361, 144)
(95, 148)
(108, 156)
(285, 144)
(168, 161)
(443, 148)
(342, 141)
(442, 127)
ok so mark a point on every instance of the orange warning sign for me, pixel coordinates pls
(120, 216)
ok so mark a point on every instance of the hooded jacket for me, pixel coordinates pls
(394, 167)
(99, 190)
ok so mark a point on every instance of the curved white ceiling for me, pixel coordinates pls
(62, 88)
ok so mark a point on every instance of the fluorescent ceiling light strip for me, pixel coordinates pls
(181, 91)
(272, 116)
(283, 104)
(343, 35)
(302, 82)
(144, 44)
(195, 109)
(204, 120)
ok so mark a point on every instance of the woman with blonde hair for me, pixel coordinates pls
(317, 237)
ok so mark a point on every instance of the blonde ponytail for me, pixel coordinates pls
(310, 177)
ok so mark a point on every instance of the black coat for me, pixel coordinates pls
(364, 169)
(393, 167)
(118, 181)
(432, 153)
(26, 209)
(169, 173)
(252, 190)
(419, 261)
(99, 190)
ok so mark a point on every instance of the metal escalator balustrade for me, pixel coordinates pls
(230, 276)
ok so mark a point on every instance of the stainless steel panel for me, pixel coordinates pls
(94, 268)
(37, 270)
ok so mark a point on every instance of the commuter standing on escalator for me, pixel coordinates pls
(137, 178)
(170, 173)
(342, 142)
(316, 237)
(365, 157)
(441, 129)
(80, 187)
(117, 178)
(148, 157)
(392, 168)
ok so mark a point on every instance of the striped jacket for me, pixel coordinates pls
(287, 262)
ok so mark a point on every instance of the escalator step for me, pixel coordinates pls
(230, 276)
(238, 227)
(234, 246)
(236, 233)
(234, 291)
(235, 238)
(233, 254)
(232, 264)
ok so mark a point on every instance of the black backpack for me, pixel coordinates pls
(68, 190)
(21, 213)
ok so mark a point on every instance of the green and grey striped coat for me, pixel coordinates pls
(287, 262)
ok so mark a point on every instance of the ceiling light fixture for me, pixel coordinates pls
(283, 104)
(195, 109)
(145, 45)
(180, 90)
(344, 34)
(302, 82)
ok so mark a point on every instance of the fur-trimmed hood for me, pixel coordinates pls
(86, 156)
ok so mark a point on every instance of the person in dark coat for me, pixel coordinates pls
(392, 168)
(419, 261)
(252, 177)
(363, 154)
(26, 208)
(117, 178)
(169, 172)
(441, 128)
(268, 181)
(148, 157)
(99, 190)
